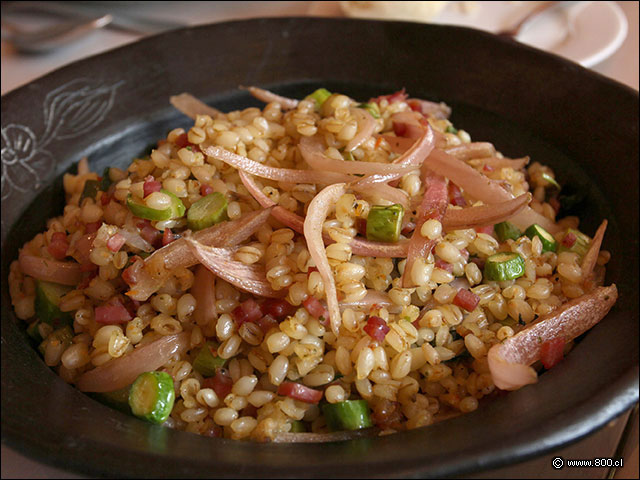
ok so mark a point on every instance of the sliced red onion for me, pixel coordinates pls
(366, 127)
(158, 266)
(432, 109)
(249, 278)
(410, 160)
(495, 162)
(317, 213)
(267, 97)
(590, 258)
(279, 174)
(133, 239)
(192, 107)
(482, 188)
(312, 152)
(434, 205)
(65, 273)
(467, 151)
(373, 298)
(204, 291)
(122, 371)
(398, 144)
(509, 361)
(296, 222)
(472, 217)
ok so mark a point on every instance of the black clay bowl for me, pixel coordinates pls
(114, 106)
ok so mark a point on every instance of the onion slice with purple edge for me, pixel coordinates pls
(316, 215)
(204, 291)
(122, 371)
(366, 127)
(249, 278)
(192, 107)
(49, 270)
(267, 97)
(157, 267)
(312, 152)
(272, 173)
(434, 204)
(480, 187)
(296, 222)
(479, 216)
(590, 258)
(509, 361)
(467, 151)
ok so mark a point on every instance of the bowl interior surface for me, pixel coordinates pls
(114, 107)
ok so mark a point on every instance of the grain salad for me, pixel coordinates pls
(310, 271)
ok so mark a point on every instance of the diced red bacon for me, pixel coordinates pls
(277, 308)
(221, 383)
(300, 392)
(399, 96)
(315, 308)
(149, 233)
(569, 239)
(247, 311)
(58, 245)
(266, 323)
(167, 237)
(444, 265)
(116, 242)
(466, 299)
(361, 226)
(376, 328)
(455, 195)
(151, 185)
(488, 229)
(205, 190)
(112, 313)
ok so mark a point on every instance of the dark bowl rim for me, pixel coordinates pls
(626, 386)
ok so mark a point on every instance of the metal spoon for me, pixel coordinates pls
(512, 32)
(49, 38)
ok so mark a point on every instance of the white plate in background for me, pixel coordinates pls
(585, 32)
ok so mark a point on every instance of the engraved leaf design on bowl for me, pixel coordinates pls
(76, 107)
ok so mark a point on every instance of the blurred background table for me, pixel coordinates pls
(620, 437)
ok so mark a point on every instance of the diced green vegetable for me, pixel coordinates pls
(62, 335)
(207, 211)
(347, 415)
(298, 426)
(550, 179)
(549, 243)
(320, 95)
(385, 222)
(152, 396)
(177, 207)
(504, 266)
(142, 211)
(580, 246)
(507, 230)
(48, 297)
(106, 179)
(90, 189)
(207, 360)
(372, 108)
(451, 129)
